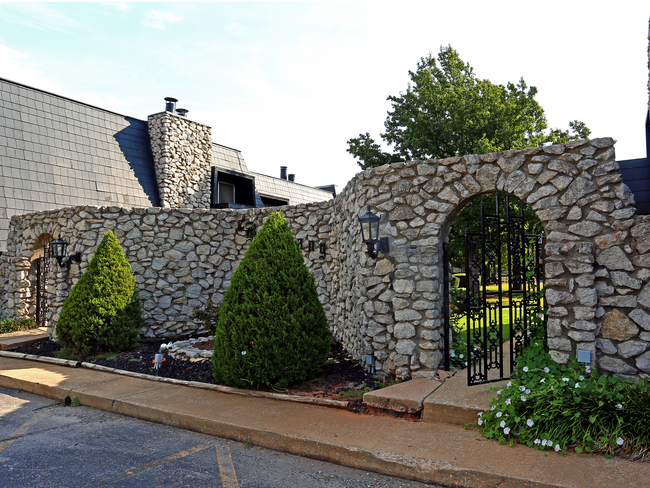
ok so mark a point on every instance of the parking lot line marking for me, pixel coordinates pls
(20, 431)
(151, 465)
(226, 468)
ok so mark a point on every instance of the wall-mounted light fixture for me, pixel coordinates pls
(370, 234)
(58, 248)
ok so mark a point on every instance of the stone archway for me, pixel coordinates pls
(592, 264)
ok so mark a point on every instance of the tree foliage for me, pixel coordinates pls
(272, 328)
(103, 311)
(469, 219)
(448, 111)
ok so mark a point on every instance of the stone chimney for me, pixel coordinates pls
(182, 155)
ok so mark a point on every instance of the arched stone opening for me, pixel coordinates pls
(492, 269)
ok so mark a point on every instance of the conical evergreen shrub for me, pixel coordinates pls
(103, 312)
(272, 328)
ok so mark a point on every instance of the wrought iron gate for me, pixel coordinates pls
(486, 305)
(42, 270)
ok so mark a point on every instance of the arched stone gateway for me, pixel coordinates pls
(597, 255)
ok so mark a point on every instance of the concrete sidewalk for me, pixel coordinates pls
(429, 452)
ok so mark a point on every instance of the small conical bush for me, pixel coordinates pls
(103, 312)
(272, 328)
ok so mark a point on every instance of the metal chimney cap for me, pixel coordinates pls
(182, 112)
(292, 177)
(171, 99)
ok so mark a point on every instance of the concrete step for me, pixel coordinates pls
(448, 401)
(456, 403)
(14, 340)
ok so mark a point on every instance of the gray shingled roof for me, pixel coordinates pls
(295, 193)
(226, 158)
(57, 152)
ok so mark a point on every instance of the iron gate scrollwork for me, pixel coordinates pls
(487, 302)
(42, 271)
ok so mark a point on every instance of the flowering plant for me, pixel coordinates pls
(546, 405)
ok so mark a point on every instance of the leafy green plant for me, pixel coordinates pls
(272, 328)
(352, 393)
(103, 312)
(17, 324)
(546, 405)
(208, 316)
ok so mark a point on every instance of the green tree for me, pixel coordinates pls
(448, 111)
(272, 329)
(103, 311)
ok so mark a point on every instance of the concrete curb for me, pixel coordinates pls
(42, 359)
(326, 434)
(324, 402)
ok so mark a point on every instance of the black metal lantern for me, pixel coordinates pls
(58, 248)
(370, 234)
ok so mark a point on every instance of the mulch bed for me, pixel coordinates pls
(340, 378)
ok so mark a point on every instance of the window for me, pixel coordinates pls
(231, 189)
(226, 192)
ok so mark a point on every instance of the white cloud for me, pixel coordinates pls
(237, 29)
(159, 19)
(44, 17)
(17, 66)
(123, 7)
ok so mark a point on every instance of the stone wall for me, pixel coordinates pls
(182, 152)
(597, 254)
(181, 257)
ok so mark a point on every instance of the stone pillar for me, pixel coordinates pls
(182, 153)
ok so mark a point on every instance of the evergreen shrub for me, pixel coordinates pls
(272, 328)
(103, 312)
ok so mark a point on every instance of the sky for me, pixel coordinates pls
(289, 83)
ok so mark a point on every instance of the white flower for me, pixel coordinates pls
(557, 448)
(523, 398)
(619, 406)
(522, 388)
(587, 369)
(503, 424)
(243, 353)
(582, 378)
(506, 431)
(525, 369)
(538, 441)
(620, 441)
(498, 392)
(499, 414)
(530, 422)
(509, 384)
(544, 442)
(546, 370)
(493, 407)
(480, 414)
(508, 401)
(543, 380)
(577, 385)
(565, 379)
(527, 392)
(480, 421)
